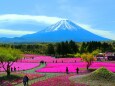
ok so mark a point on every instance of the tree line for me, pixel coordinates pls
(62, 48)
(93, 45)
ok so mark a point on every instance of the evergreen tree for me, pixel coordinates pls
(67, 47)
(73, 47)
(58, 48)
(83, 47)
(63, 47)
(50, 49)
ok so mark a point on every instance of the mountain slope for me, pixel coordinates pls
(61, 31)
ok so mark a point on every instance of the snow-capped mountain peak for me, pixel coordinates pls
(61, 25)
(63, 30)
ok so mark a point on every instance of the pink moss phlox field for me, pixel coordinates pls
(62, 80)
(108, 65)
(67, 60)
(48, 59)
(37, 58)
(22, 66)
(61, 67)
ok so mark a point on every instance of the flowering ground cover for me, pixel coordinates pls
(16, 77)
(61, 80)
(67, 60)
(36, 59)
(22, 66)
(110, 66)
(61, 67)
(48, 59)
(53, 65)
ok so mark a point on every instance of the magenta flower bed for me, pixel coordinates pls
(61, 67)
(37, 59)
(62, 80)
(109, 66)
(23, 66)
(48, 59)
(68, 60)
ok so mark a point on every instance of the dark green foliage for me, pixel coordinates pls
(58, 49)
(65, 48)
(50, 50)
(83, 47)
(62, 49)
(73, 47)
(93, 45)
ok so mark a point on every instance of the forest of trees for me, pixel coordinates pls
(62, 48)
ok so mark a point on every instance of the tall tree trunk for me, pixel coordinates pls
(88, 66)
(8, 70)
(8, 73)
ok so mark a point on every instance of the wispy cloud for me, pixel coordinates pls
(17, 17)
(8, 19)
(103, 33)
(15, 33)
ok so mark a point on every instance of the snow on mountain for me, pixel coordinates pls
(61, 25)
(61, 31)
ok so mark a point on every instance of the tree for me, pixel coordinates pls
(96, 52)
(58, 48)
(73, 47)
(77, 55)
(63, 47)
(88, 58)
(7, 57)
(50, 49)
(67, 47)
(83, 47)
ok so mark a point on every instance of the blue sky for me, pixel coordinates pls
(19, 17)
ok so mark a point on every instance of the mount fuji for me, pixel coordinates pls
(61, 31)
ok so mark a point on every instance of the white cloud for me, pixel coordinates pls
(103, 33)
(15, 33)
(17, 17)
(13, 18)
(8, 18)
